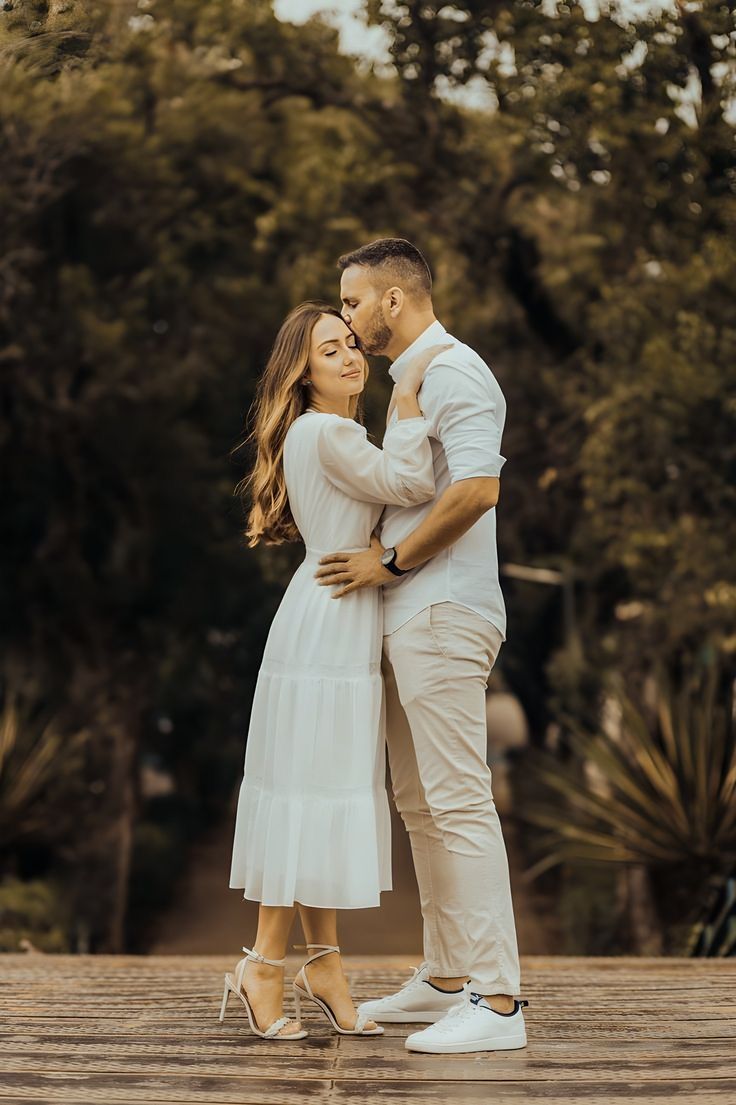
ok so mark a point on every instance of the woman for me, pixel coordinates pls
(312, 829)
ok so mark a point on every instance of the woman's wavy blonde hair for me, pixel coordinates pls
(281, 396)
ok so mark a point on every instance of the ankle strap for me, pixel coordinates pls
(325, 948)
(250, 954)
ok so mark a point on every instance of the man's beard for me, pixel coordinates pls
(377, 335)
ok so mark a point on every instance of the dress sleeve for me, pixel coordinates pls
(401, 473)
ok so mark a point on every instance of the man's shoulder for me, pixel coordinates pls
(459, 362)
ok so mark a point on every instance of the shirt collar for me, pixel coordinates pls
(433, 335)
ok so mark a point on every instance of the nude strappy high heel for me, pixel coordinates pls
(234, 985)
(308, 995)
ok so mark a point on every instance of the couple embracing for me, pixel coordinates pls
(385, 638)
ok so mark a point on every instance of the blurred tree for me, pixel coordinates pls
(590, 201)
(133, 321)
(175, 178)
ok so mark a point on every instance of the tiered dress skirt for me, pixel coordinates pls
(313, 823)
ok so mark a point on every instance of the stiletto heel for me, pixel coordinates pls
(234, 985)
(308, 995)
(223, 1007)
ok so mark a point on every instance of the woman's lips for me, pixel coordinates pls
(350, 375)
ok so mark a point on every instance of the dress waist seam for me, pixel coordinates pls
(367, 790)
(324, 671)
(311, 550)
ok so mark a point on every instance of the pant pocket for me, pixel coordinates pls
(442, 629)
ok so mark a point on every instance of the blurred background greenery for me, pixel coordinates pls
(175, 177)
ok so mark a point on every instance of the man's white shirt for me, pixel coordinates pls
(464, 405)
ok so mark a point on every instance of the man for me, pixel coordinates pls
(444, 623)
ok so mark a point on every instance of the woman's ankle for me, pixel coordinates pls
(269, 953)
(321, 953)
(265, 971)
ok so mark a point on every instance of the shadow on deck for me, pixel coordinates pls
(120, 1029)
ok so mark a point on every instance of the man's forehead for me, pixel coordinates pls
(356, 280)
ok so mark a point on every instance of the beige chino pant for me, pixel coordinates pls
(436, 669)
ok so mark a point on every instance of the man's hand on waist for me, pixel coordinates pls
(351, 571)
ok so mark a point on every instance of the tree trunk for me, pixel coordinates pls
(644, 923)
(123, 788)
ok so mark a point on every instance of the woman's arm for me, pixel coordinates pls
(405, 396)
(401, 473)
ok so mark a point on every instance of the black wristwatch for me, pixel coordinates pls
(388, 559)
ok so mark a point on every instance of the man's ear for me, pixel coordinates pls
(394, 299)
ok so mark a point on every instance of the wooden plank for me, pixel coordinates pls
(224, 1050)
(686, 1093)
(219, 1090)
(545, 1034)
(145, 1030)
(114, 1090)
(399, 1067)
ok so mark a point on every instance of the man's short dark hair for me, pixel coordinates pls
(395, 261)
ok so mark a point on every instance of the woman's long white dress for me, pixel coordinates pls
(312, 822)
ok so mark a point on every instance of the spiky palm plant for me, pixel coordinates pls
(715, 933)
(656, 789)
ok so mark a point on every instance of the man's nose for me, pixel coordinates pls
(345, 315)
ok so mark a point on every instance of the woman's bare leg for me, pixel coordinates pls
(263, 983)
(326, 976)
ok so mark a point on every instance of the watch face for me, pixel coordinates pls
(387, 556)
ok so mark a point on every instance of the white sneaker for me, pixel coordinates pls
(472, 1026)
(417, 1002)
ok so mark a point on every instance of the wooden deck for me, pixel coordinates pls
(108, 1030)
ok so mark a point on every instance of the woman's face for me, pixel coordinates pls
(336, 365)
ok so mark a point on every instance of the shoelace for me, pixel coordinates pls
(410, 981)
(417, 971)
(458, 1012)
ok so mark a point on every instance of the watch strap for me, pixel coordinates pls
(393, 566)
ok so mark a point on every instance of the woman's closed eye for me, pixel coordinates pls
(332, 352)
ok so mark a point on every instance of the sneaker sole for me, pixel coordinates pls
(426, 1016)
(509, 1043)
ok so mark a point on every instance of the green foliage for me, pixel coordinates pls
(127, 363)
(715, 934)
(162, 841)
(39, 766)
(32, 917)
(663, 797)
(656, 786)
(176, 177)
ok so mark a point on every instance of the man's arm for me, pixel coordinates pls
(466, 421)
(457, 509)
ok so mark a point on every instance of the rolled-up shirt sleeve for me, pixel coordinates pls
(466, 418)
(401, 473)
